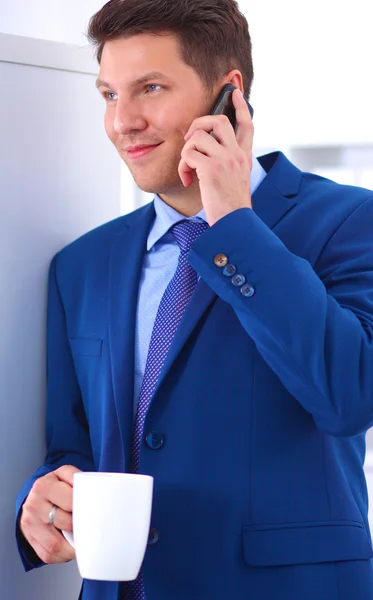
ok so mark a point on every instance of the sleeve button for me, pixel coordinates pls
(221, 260)
(248, 290)
(238, 280)
(229, 271)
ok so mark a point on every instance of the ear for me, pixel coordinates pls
(235, 78)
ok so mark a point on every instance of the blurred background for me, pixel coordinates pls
(60, 177)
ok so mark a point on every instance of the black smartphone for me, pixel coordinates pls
(224, 105)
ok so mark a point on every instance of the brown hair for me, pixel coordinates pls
(213, 34)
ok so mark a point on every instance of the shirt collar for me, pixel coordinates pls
(166, 216)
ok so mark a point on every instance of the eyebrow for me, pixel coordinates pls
(137, 82)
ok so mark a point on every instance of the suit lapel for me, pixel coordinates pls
(125, 269)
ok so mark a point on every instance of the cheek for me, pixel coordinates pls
(171, 119)
(109, 126)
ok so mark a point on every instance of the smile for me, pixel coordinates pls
(140, 151)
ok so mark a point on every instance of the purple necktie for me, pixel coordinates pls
(170, 311)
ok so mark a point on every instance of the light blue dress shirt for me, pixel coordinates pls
(159, 266)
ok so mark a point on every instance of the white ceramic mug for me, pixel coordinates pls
(111, 520)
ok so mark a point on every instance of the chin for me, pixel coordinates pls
(148, 186)
(157, 185)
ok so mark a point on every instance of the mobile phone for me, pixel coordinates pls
(224, 105)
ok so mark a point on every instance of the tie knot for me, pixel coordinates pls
(185, 232)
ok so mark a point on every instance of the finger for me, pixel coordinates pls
(28, 522)
(186, 176)
(185, 173)
(42, 553)
(245, 127)
(35, 505)
(61, 495)
(66, 473)
(46, 556)
(33, 519)
(51, 546)
(203, 142)
(191, 161)
(62, 519)
(219, 125)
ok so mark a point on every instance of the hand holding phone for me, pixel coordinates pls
(222, 166)
(224, 105)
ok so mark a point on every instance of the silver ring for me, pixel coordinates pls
(52, 514)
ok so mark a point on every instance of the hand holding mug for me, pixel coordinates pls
(50, 499)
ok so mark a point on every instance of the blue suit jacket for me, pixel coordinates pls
(263, 402)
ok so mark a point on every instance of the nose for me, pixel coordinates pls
(128, 118)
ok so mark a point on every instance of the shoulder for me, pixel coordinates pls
(312, 191)
(97, 243)
(332, 196)
(319, 208)
(318, 195)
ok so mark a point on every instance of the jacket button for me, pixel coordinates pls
(229, 271)
(155, 441)
(153, 537)
(238, 280)
(248, 290)
(221, 260)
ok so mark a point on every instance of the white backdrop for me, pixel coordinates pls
(59, 177)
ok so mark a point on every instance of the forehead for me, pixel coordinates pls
(135, 55)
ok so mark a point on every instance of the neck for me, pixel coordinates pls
(186, 201)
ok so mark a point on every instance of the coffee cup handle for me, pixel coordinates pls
(69, 537)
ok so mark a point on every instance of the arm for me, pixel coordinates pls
(315, 331)
(68, 441)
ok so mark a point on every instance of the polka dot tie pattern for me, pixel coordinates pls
(171, 308)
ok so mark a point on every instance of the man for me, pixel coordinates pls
(219, 339)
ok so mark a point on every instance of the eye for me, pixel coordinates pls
(110, 96)
(151, 87)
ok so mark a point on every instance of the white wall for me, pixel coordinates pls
(56, 20)
(59, 177)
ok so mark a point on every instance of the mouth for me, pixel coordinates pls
(134, 152)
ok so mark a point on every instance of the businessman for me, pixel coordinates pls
(219, 339)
